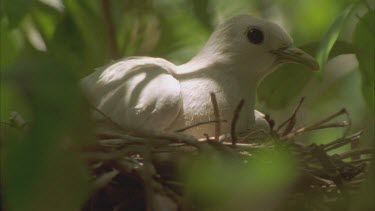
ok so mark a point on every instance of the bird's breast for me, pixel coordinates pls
(198, 107)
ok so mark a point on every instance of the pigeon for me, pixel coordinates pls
(153, 93)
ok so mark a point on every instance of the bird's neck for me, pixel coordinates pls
(211, 64)
(223, 72)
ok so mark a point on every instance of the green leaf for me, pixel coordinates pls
(364, 42)
(11, 43)
(90, 25)
(67, 44)
(46, 19)
(331, 36)
(207, 182)
(16, 10)
(282, 86)
(43, 170)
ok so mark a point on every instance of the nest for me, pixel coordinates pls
(147, 170)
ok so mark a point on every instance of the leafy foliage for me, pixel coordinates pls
(42, 165)
(364, 42)
(46, 46)
(16, 10)
(331, 36)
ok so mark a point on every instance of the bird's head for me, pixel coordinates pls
(257, 46)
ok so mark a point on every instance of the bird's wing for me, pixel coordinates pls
(136, 93)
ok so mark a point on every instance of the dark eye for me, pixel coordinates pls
(255, 36)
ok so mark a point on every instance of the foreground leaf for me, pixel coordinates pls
(364, 42)
(16, 10)
(331, 36)
(42, 166)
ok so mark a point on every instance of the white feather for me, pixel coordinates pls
(145, 92)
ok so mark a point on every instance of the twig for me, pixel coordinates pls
(207, 137)
(234, 122)
(340, 142)
(328, 166)
(346, 132)
(360, 161)
(354, 144)
(327, 126)
(171, 136)
(217, 116)
(333, 125)
(319, 124)
(111, 31)
(163, 187)
(104, 115)
(270, 122)
(247, 146)
(291, 120)
(120, 142)
(198, 124)
(113, 155)
(104, 179)
(356, 152)
(153, 134)
(342, 111)
(258, 131)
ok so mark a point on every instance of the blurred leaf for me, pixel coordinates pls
(309, 20)
(43, 167)
(216, 182)
(11, 100)
(46, 19)
(67, 44)
(364, 200)
(329, 39)
(86, 17)
(364, 42)
(11, 43)
(16, 10)
(281, 87)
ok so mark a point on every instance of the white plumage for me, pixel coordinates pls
(152, 93)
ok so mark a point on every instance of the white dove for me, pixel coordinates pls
(153, 93)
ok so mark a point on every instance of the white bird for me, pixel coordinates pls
(153, 93)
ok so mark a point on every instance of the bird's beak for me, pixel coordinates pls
(296, 55)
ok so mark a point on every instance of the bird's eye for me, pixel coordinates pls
(255, 36)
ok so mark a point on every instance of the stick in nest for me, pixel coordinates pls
(341, 142)
(217, 116)
(321, 125)
(291, 121)
(234, 122)
(199, 124)
(153, 134)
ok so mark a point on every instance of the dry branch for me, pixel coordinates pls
(130, 168)
(234, 122)
(217, 116)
